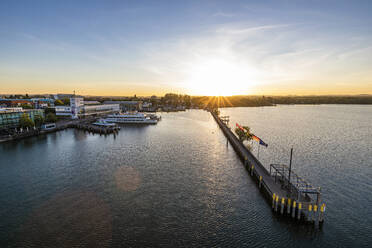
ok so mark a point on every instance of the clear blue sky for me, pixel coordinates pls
(145, 47)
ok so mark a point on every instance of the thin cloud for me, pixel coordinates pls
(224, 14)
(250, 29)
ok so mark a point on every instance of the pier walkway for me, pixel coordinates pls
(286, 197)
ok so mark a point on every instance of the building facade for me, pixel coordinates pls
(9, 117)
(100, 109)
(127, 105)
(78, 109)
(63, 111)
(77, 104)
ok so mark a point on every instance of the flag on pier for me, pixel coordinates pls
(259, 140)
(240, 127)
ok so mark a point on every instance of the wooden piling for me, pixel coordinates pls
(310, 213)
(294, 209)
(289, 206)
(260, 183)
(282, 206)
(276, 203)
(322, 210)
(315, 218)
(273, 204)
(299, 211)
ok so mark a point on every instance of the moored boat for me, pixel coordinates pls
(103, 122)
(131, 118)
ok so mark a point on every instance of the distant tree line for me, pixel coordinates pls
(230, 101)
(361, 99)
(254, 101)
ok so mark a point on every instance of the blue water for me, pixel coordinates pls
(177, 184)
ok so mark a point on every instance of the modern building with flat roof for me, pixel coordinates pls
(9, 117)
(63, 110)
(99, 109)
(127, 105)
(78, 108)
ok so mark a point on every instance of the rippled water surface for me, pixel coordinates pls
(178, 184)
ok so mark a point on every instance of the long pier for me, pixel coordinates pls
(289, 194)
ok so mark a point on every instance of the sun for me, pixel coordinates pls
(219, 77)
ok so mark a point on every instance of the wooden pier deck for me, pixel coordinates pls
(97, 129)
(284, 199)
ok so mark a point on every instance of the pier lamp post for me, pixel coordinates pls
(290, 169)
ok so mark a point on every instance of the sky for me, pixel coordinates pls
(186, 47)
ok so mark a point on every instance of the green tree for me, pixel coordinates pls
(50, 110)
(51, 118)
(243, 134)
(26, 121)
(39, 120)
(66, 101)
(58, 102)
(26, 106)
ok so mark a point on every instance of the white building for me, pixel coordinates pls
(91, 102)
(63, 110)
(100, 109)
(78, 109)
(77, 105)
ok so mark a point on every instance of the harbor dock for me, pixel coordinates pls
(289, 194)
(96, 129)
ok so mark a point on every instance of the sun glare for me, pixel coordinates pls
(219, 77)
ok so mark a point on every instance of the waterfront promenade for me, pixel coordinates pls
(60, 125)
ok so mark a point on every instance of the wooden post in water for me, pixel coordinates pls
(322, 210)
(282, 206)
(315, 213)
(299, 210)
(289, 206)
(273, 204)
(318, 201)
(310, 213)
(252, 168)
(276, 203)
(260, 183)
(294, 209)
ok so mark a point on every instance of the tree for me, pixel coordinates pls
(26, 121)
(243, 134)
(50, 110)
(66, 101)
(58, 102)
(26, 106)
(51, 117)
(39, 120)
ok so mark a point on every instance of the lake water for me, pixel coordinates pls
(178, 184)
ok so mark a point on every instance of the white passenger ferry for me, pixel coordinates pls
(103, 122)
(135, 118)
